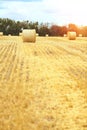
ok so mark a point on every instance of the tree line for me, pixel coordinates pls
(9, 26)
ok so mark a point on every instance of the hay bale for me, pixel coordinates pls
(80, 35)
(9, 34)
(46, 35)
(65, 35)
(37, 34)
(20, 34)
(29, 35)
(1, 33)
(71, 35)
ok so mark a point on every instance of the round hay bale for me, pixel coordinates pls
(29, 35)
(65, 35)
(9, 34)
(80, 35)
(1, 33)
(46, 35)
(71, 35)
(20, 34)
(37, 34)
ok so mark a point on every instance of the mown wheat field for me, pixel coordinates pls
(43, 85)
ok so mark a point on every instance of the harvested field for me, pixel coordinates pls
(43, 85)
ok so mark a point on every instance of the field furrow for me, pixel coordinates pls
(43, 85)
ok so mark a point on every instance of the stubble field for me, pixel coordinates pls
(43, 85)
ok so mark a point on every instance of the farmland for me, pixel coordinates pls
(43, 85)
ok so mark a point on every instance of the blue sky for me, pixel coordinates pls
(60, 12)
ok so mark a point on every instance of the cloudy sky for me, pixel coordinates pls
(60, 12)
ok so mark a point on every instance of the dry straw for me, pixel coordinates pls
(29, 35)
(71, 35)
(1, 33)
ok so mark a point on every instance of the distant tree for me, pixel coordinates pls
(54, 30)
(33, 26)
(9, 26)
(43, 29)
(84, 31)
(73, 27)
(63, 30)
(58, 30)
(5, 25)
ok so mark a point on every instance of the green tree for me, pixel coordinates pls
(43, 29)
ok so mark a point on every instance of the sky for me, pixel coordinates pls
(61, 12)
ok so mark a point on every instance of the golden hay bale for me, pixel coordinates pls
(37, 34)
(1, 33)
(46, 35)
(20, 34)
(65, 35)
(9, 34)
(29, 35)
(72, 35)
(80, 35)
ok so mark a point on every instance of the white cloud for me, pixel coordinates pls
(67, 10)
(56, 11)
